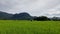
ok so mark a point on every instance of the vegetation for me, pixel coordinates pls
(42, 18)
(29, 27)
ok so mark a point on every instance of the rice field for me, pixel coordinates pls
(29, 27)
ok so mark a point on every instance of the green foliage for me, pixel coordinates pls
(29, 27)
(41, 18)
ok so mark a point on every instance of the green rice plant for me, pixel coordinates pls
(29, 27)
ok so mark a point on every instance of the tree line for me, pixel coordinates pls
(25, 16)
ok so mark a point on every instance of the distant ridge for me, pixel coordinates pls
(4, 15)
(22, 16)
(25, 16)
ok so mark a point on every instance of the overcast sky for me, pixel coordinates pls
(33, 7)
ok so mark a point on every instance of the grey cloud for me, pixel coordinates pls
(34, 7)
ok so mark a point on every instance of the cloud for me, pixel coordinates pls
(55, 10)
(34, 7)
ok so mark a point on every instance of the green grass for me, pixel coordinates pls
(29, 27)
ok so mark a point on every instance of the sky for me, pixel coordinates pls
(33, 7)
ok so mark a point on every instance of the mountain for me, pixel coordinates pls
(4, 15)
(22, 16)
